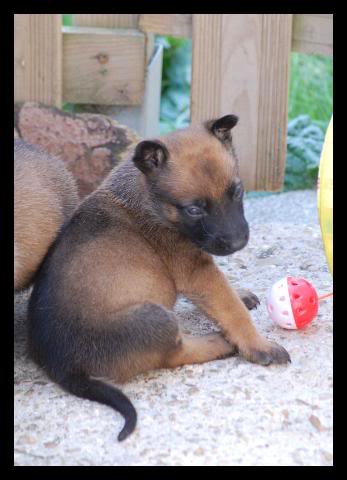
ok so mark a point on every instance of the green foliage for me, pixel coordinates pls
(304, 145)
(69, 107)
(67, 19)
(310, 110)
(311, 88)
(175, 93)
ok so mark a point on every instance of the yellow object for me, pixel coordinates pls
(325, 194)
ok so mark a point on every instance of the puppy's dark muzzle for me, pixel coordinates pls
(226, 245)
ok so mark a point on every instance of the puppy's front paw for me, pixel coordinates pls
(266, 353)
(249, 299)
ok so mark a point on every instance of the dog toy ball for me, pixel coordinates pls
(292, 302)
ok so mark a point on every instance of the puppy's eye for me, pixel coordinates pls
(194, 211)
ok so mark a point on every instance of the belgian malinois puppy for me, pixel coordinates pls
(102, 303)
(45, 196)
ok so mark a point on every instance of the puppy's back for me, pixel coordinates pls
(45, 195)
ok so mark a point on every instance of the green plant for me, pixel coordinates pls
(309, 113)
(304, 145)
(175, 92)
(311, 88)
(67, 19)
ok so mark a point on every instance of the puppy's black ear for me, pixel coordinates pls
(150, 156)
(221, 127)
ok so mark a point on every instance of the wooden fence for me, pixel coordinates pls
(240, 64)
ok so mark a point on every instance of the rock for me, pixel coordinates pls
(308, 266)
(89, 144)
(52, 444)
(26, 439)
(193, 390)
(267, 252)
(271, 261)
(316, 423)
(327, 455)
(199, 451)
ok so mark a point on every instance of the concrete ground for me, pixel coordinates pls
(226, 412)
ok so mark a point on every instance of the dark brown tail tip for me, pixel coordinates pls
(129, 427)
(95, 390)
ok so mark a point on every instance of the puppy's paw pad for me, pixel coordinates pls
(249, 299)
(273, 354)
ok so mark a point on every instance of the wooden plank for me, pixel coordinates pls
(313, 33)
(151, 103)
(123, 20)
(103, 66)
(120, 20)
(246, 57)
(38, 58)
(322, 15)
(175, 24)
(150, 46)
(206, 96)
(143, 119)
(276, 31)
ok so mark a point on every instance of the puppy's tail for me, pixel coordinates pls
(91, 389)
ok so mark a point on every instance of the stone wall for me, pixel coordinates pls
(89, 144)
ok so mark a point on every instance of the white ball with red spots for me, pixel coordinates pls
(292, 303)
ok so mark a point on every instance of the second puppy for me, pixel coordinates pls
(45, 196)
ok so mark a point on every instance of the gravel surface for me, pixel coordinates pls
(226, 412)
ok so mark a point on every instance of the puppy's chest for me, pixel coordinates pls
(179, 263)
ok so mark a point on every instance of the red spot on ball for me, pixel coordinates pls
(304, 301)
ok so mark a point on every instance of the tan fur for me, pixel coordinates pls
(45, 196)
(102, 303)
(200, 165)
(139, 262)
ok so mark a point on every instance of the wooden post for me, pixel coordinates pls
(116, 21)
(206, 95)
(313, 33)
(240, 65)
(38, 58)
(104, 66)
(141, 72)
(175, 24)
(119, 20)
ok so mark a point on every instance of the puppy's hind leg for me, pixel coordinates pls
(200, 349)
(152, 340)
(142, 338)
